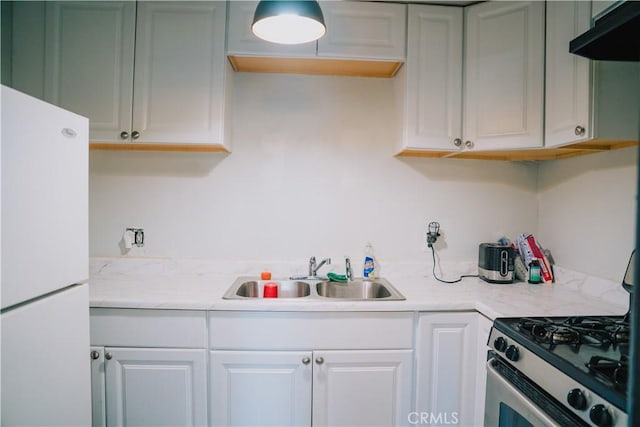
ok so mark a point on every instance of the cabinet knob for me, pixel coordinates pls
(95, 355)
(135, 134)
(319, 360)
(108, 356)
(124, 135)
(468, 144)
(306, 360)
(457, 142)
(579, 130)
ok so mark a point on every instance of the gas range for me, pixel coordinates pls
(573, 369)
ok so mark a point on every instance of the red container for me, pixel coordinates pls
(270, 290)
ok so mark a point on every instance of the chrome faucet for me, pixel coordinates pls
(348, 271)
(314, 267)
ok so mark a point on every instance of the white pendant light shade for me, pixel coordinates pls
(288, 22)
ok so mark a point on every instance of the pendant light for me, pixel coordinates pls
(288, 22)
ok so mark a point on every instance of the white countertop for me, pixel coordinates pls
(149, 283)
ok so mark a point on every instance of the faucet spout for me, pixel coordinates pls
(314, 267)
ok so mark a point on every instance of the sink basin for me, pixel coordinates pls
(254, 288)
(314, 289)
(359, 289)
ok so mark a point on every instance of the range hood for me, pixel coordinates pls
(614, 37)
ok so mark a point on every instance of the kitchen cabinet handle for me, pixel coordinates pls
(95, 355)
(108, 356)
(135, 134)
(457, 142)
(579, 130)
(306, 360)
(468, 144)
(124, 135)
(319, 360)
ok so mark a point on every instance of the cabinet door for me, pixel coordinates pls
(242, 41)
(179, 72)
(89, 63)
(98, 388)
(266, 388)
(568, 83)
(504, 75)
(446, 366)
(433, 87)
(363, 30)
(362, 388)
(156, 387)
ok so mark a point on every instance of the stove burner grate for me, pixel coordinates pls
(615, 371)
(576, 331)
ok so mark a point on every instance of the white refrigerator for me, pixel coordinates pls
(44, 341)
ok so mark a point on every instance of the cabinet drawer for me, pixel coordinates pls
(295, 331)
(148, 328)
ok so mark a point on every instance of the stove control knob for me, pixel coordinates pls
(500, 344)
(600, 416)
(512, 353)
(576, 399)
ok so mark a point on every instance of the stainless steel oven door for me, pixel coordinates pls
(505, 405)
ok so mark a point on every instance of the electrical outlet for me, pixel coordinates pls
(138, 237)
(433, 232)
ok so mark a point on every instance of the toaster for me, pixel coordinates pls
(495, 263)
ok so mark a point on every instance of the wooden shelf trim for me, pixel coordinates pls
(315, 66)
(553, 153)
(206, 148)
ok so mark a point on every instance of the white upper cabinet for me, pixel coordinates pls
(504, 75)
(89, 63)
(171, 92)
(568, 82)
(242, 41)
(179, 72)
(430, 83)
(363, 30)
(586, 100)
(496, 101)
(362, 39)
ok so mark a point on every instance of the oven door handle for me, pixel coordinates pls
(516, 395)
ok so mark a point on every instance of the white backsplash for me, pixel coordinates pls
(312, 172)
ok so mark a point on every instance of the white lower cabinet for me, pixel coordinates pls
(269, 388)
(148, 368)
(301, 388)
(148, 387)
(156, 387)
(446, 370)
(361, 388)
(311, 368)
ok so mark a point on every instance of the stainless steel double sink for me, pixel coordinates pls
(363, 289)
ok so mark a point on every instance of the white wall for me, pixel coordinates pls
(311, 172)
(588, 211)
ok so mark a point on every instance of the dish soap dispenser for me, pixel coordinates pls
(371, 267)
